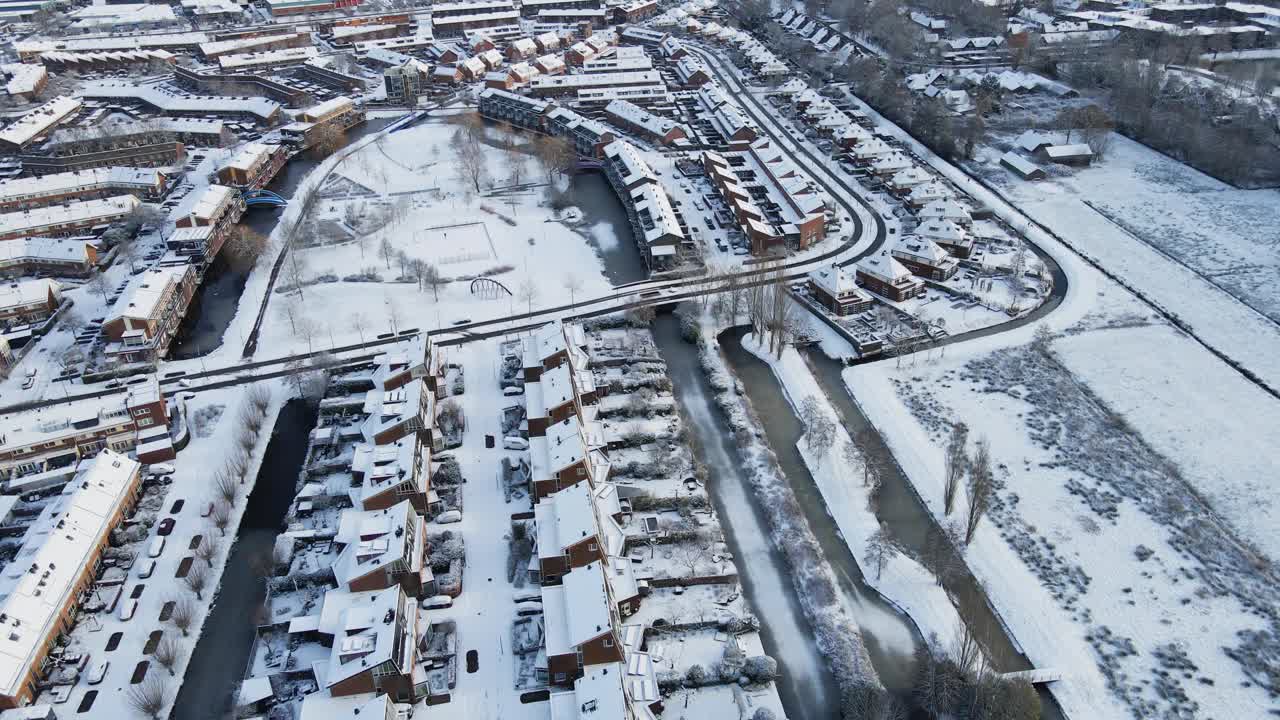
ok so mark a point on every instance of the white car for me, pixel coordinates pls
(437, 602)
(146, 568)
(156, 547)
(512, 390)
(449, 516)
(515, 443)
(128, 609)
(98, 672)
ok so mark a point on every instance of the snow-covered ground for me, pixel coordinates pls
(1198, 248)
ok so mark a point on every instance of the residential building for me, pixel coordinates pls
(20, 133)
(252, 167)
(66, 219)
(883, 275)
(381, 549)
(640, 35)
(266, 60)
(32, 192)
(62, 257)
(403, 83)
(924, 258)
(635, 11)
(43, 583)
(52, 442)
(29, 50)
(375, 638)
(279, 8)
(149, 314)
(950, 236)
(28, 301)
(519, 110)
(218, 208)
(452, 22)
(588, 137)
(23, 81)
(580, 623)
(569, 452)
(632, 117)
(211, 51)
(237, 108)
(836, 289)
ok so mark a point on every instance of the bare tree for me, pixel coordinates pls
(197, 578)
(327, 139)
(148, 697)
(386, 251)
(221, 517)
(555, 154)
(573, 284)
(244, 247)
(297, 270)
(432, 277)
(207, 550)
(939, 556)
(290, 308)
(957, 462)
(184, 613)
(469, 159)
(938, 688)
(820, 429)
(167, 652)
(98, 284)
(528, 293)
(981, 482)
(358, 322)
(880, 548)
(691, 554)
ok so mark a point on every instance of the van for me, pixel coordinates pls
(156, 547)
(515, 443)
(160, 469)
(146, 568)
(437, 602)
(127, 609)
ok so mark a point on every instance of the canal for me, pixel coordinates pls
(806, 685)
(606, 225)
(222, 652)
(218, 297)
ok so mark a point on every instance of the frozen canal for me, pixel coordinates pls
(808, 690)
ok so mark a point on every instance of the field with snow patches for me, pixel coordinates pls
(1111, 553)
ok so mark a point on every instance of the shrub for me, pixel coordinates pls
(760, 668)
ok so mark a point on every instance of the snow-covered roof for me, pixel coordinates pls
(657, 216)
(36, 221)
(23, 78)
(96, 17)
(91, 180)
(883, 267)
(836, 281)
(641, 77)
(27, 291)
(628, 112)
(922, 250)
(597, 695)
(44, 248)
(1066, 152)
(565, 518)
(577, 610)
(628, 162)
(166, 101)
(220, 47)
(26, 128)
(209, 206)
(374, 539)
(363, 626)
(267, 57)
(38, 582)
(145, 292)
(945, 209)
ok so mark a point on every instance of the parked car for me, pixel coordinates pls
(127, 609)
(513, 390)
(437, 601)
(449, 516)
(166, 526)
(515, 443)
(160, 469)
(146, 568)
(156, 547)
(98, 672)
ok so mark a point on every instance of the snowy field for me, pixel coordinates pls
(1197, 247)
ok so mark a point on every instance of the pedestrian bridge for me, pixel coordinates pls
(263, 198)
(1035, 676)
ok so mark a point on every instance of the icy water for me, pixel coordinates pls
(606, 223)
(222, 653)
(808, 689)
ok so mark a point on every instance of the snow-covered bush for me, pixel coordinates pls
(760, 668)
(695, 676)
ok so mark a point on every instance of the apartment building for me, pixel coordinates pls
(62, 257)
(382, 549)
(218, 208)
(32, 192)
(147, 318)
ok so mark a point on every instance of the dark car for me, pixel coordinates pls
(166, 526)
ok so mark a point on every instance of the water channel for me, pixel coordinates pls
(808, 689)
(218, 297)
(222, 652)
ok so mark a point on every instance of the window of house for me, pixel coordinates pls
(591, 547)
(144, 422)
(142, 411)
(608, 642)
(560, 677)
(582, 471)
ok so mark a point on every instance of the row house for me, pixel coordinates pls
(653, 127)
(672, 49)
(580, 625)
(532, 8)
(635, 11)
(924, 258)
(218, 208)
(146, 320)
(213, 50)
(932, 191)
(569, 452)
(726, 117)
(949, 235)
(763, 237)
(640, 35)
(70, 219)
(393, 463)
(588, 137)
(382, 549)
(523, 112)
(458, 25)
(522, 49)
(141, 60)
(62, 257)
(572, 84)
(373, 648)
(692, 72)
(216, 83)
(253, 166)
(657, 228)
(546, 42)
(29, 301)
(32, 192)
(564, 390)
(836, 289)
(883, 275)
(572, 533)
(37, 122)
(41, 588)
(946, 210)
(30, 450)
(257, 110)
